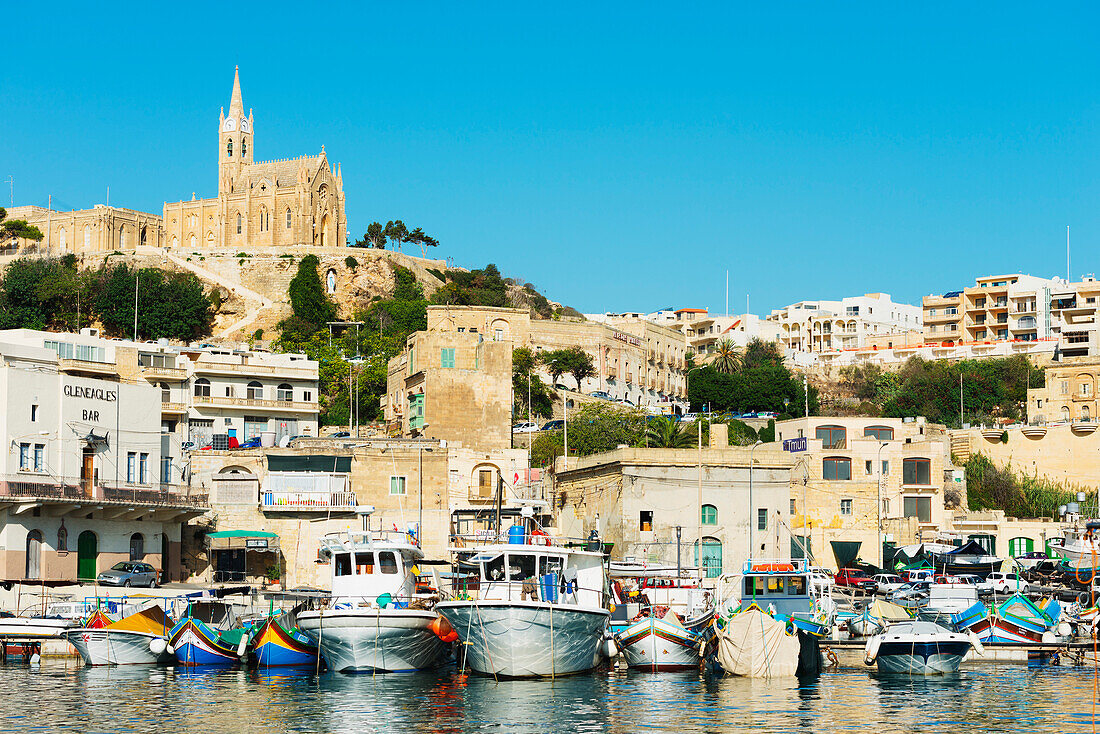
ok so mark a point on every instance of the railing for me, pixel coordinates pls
(176, 373)
(86, 365)
(299, 500)
(166, 407)
(254, 403)
(47, 487)
(254, 369)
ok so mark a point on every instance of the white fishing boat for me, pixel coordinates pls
(375, 621)
(919, 648)
(15, 628)
(140, 638)
(1080, 547)
(540, 608)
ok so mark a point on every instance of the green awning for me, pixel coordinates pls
(242, 534)
(316, 463)
(254, 540)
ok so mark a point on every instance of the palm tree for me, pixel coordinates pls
(727, 357)
(662, 433)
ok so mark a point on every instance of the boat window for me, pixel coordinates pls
(754, 586)
(551, 564)
(775, 584)
(364, 563)
(520, 567)
(343, 564)
(494, 569)
(387, 561)
(796, 586)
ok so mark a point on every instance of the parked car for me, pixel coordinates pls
(1032, 559)
(553, 425)
(853, 578)
(129, 573)
(983, 586)
(690, 417)
(1007, 583)
(252, 443)
(341, 434)
(887, 583)
(525, 427)
(1044, 571)
(911, 592)
(821, 579)
(914, 575)
(600, 394)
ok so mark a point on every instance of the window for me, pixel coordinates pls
(918, 507)
(254, 425)
(34, 413)
(288, 218)
(202, 388)
(845, 507)
(916, 471)
(447, 357)
(709, 515)
(166, 469)
(879, 433)
(485, 485)
(343, 564)
(131, 467)
(885, 468)
(1020, 546)
(244, 147)
(870, 467)
(397, 485)
(39, 457)
(24, 456)
(387, 561)
(1086, 389)
(61, 236)
(1065, 387)
(229, 148)
(284, 393)
(238, 224)
(143, 469)
(836, 467)
(62, 537)
(645, 520)
(761, 518)
(794, 508)
(832, 437)
(255, 391)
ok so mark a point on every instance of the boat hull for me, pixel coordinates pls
(655, 645)
(114, 647)
(526, 639)
(33, 627)
(275, 646)
(375, 640)
(921, 658)
(197, 644)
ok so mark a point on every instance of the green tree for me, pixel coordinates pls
(579, 364)
(666, 434)
(10, 228)
(307, 295)
(524, 377)
(556, 362)
(727, 357)
(396, 233)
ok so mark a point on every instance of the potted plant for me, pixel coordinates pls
(273, 576)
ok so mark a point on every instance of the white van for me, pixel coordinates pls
(917, 574)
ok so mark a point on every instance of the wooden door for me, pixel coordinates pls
(87, 551)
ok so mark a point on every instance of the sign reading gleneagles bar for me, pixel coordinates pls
(88, 392)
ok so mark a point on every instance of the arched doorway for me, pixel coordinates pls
(87, 552)
(327, 235)
(712, 556)
(137, 547)
(34, 555)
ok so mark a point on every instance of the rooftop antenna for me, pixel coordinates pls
(727, 293)
(1068, 279)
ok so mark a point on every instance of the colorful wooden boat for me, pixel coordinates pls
(137, 638)
(662, 643)
(274, 645)
(1016, 620)
(197, 643)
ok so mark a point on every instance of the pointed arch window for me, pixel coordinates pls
(229, 148)
(244, 147)
(288, 217)
(238, 224)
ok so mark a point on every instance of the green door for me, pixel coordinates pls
(712, 557)
(87, 548)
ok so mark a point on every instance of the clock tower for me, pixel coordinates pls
(234, 140)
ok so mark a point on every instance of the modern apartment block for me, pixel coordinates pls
(1017, 308)
(824, 326)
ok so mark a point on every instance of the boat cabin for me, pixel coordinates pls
(782, 586)
(364, 567)
(530, 572)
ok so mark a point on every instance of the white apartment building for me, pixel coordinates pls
(823, 326)
(701, 329)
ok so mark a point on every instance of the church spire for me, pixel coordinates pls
(236, 106)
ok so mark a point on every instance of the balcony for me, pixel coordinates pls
(289, 501)
(167, 408)
(43, 487)
(249, 369)
(160, 374)
(87, 367)
(287, 406)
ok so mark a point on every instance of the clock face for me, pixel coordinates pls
(230, 125)
(244, 126)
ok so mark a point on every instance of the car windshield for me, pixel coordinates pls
(120, 566)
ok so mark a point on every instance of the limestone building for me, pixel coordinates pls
(283, 202)
(85, 231)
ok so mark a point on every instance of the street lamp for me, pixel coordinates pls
(880, 553)
(752, 520)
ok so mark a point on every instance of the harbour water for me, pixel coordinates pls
(60, 696)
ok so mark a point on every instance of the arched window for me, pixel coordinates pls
(62, 537)
(255, 391)
(263, 218)
(832, 437)
(1085, 412)
(288, 218)
(244, 148)
(238, 224)
(880, 433)
(210, 239)
(61, 236)
(34, 554)
(836, 468)
(229, 148)
(712, 556)
(194, 241)
(1065, 412)
(709, 515)
(916, 471)
(202, 388)
(284, 393)
(122, 238)
(137, 547)
(175, 241)
(165, 393)
(87, 236)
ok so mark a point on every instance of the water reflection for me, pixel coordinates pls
(59, 696)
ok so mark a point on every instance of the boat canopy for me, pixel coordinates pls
(152, 620)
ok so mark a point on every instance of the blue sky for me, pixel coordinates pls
(618, 156)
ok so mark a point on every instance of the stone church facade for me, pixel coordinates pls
(285, 202)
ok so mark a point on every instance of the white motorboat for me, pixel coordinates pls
(540, 608)
(375, 621)
(141, 637)
(12, 628)
(918, 648)
(1080, 547)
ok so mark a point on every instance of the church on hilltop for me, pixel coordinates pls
(279, 203)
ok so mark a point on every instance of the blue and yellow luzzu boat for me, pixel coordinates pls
(208, 636)
(274, 645)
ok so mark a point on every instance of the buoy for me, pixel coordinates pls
(442, 629)
(158, 645)
(870, 652)
(610, 649)
(242, 648)
(976, 642)
(36, 659)
(170, 649)
(1065, 629)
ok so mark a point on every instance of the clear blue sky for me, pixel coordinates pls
(620, 157)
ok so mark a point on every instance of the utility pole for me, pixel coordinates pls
(806, 393)
(699, 511)
(137, 277)
(960, 399)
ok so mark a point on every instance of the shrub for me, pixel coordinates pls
(351, 262)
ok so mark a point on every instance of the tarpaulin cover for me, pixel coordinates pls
(845, 552)
(755, 645)
(151, 620)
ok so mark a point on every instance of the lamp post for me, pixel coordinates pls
(879, 513)
(420, 489)
(752, 520)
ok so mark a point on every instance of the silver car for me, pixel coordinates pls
(129, 573)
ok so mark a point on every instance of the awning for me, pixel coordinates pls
(315, 463)
(255, 540)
